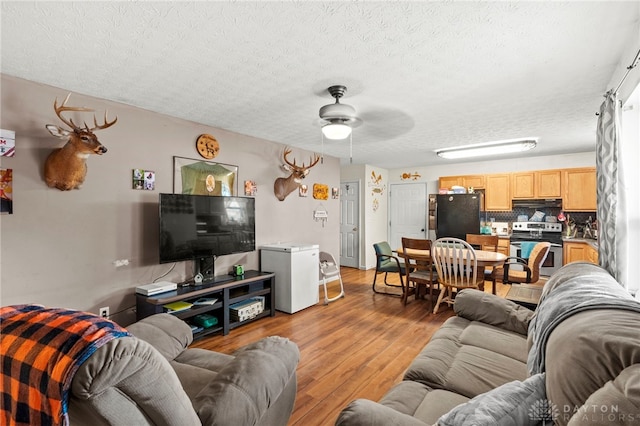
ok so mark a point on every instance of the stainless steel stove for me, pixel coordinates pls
(542, 232)
(537, 231)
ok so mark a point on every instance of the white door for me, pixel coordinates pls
(349, 224)
(407, 212)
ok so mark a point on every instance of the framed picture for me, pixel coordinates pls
(250, 188)
(144, 179)
(199, 177)
(6, 191)
(320, 191)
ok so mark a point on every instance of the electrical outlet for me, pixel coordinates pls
(104, 312)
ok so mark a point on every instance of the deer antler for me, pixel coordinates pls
(106, 123)
(314, 161)
(62, 108)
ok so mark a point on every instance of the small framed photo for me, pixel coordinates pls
(335, 193)
(144, 179)
(6, 191)
(250, 188)
(303, 190)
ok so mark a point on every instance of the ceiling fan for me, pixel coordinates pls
(338, 119)
(380, 124)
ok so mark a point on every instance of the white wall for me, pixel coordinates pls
(374, 196)
(58, 248)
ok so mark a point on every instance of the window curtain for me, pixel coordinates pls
(611, 199)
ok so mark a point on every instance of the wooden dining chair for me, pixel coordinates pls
(486, 243)
(527, 271)
(420, 271)
(457, 267)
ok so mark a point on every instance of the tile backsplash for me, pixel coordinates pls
(512, 216)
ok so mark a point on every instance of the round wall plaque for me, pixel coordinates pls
(207, 146)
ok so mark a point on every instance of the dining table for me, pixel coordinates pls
(484, 259)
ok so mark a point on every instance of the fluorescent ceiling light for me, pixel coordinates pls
(336, 131)
(490, 148)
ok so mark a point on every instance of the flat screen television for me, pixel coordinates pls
(202, 227)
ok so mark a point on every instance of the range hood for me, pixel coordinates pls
(537, 203)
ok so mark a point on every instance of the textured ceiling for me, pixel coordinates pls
(421, 75)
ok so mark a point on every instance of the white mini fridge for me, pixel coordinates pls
(296, 267)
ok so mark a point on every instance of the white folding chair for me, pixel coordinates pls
(329, 269)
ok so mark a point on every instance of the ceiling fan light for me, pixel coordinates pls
(336, 131)
(491, 148)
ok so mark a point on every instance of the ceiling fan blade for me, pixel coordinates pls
(385, 124)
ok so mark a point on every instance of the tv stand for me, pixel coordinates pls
(228, 290)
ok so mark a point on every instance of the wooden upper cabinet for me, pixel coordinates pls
(523, 185)
(475, 181)
(497, 195)
(536, 184)
(449, 181)
(548, 184)
(576, 187)
(579, 189)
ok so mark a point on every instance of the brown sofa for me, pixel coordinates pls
(575, 361)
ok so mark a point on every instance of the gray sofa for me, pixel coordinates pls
(575, 361)
(155, 379)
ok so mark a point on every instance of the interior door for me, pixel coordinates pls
(350, 224)
(407, 212)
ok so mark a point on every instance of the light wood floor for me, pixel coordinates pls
(356, 347)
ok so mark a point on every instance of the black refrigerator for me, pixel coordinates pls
(457, 215)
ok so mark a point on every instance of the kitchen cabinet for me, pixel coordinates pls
(592, 255)
(536, 184)
(576, 187)
(522, 185)
(579, 189)
(548, 184)
(447, 182)
(579, 251)
(504, 246)
(497, 195)
(475, 181)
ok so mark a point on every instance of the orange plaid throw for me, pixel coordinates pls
(40, 351)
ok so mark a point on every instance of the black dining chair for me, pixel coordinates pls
(387, 262)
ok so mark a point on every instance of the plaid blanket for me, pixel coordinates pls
(40, 351)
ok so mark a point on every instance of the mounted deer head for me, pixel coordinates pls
(66, 167)
(285, 186)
